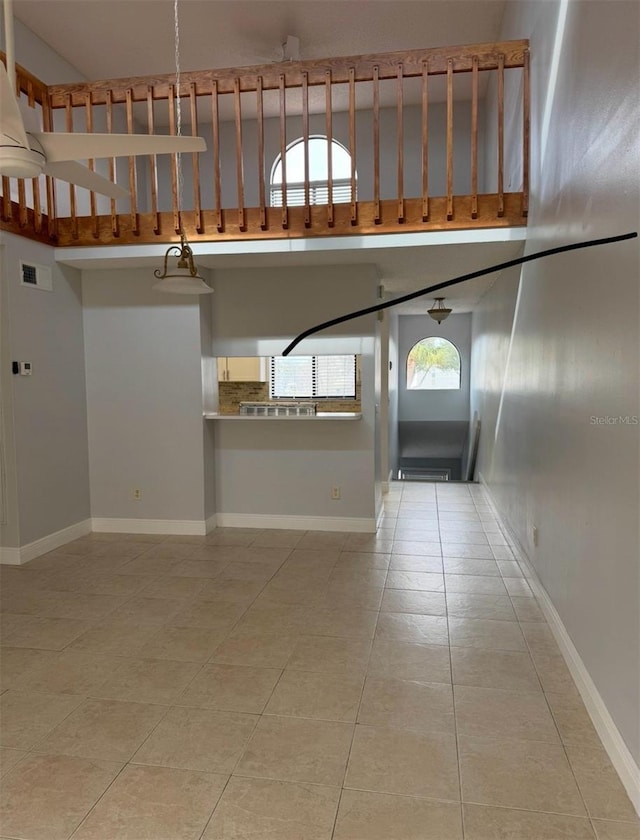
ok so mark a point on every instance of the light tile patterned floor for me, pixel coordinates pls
(269, 685)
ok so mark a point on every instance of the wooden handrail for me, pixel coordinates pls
(387, 63)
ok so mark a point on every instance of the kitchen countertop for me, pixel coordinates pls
(321, 415)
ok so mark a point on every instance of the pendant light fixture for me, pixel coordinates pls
(184, 279)
(439, 311)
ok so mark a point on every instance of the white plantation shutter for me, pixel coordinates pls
(312, 377)
(335, 376)
(318, 194)
(291, 376)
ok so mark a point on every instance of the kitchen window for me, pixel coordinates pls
(312, 377)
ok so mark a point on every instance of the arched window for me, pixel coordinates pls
(318, 173)
(433, 364)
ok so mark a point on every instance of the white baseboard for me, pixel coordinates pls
(17, 556)
(604, 724)
(211, 522)
(296, 523)
(110, 525)
(10, 556)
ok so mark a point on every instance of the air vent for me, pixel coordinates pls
(36, 276)
(415, 474)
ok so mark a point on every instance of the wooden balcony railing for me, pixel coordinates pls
(425, 130)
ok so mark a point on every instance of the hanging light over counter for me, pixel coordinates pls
(184, 279)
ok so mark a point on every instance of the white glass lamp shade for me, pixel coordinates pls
(182, 282)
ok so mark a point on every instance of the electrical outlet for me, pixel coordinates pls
(335, 493)
(534, 535)
(136, 494)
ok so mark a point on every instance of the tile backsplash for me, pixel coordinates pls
(231, 394)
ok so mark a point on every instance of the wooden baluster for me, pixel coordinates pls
(526, 134)
(153, 166)
(352, 143)
(197, 208)
(425, 141)
(72, 189)
(376, 145)
(115, 221)
(305, 140)
(283, 150)
(474, 137)
(177, 218)
(37, 209)
(133, 181)
(35, 183)
(52, 224)
(500, 135)
(217, 181)
(400, 108)
(237, 104)
(449, 139)
(6, 199)
(92, 165)
(329, 121)
(22, 203)
(261, 187)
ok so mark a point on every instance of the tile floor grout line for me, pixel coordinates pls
(102, 795)
(453, 702)
(355, 723)
(364, 682)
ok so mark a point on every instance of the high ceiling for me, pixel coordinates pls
(106, 39)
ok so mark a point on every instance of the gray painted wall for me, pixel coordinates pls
(209, 400)
(144, 397)
(45, 413)
(434, 405)
(574, 349)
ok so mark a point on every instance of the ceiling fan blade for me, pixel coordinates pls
(10, 117)
(59, 146)
(76, 173)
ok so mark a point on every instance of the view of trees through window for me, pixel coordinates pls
(433, 364)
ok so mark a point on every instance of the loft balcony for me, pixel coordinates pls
(395, 142)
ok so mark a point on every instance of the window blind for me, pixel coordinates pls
(318, 193)
(311, 377)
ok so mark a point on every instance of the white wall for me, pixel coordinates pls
(45, 417)
(574, 350)
(434, 405)
(258, 311)
(288, 468)
(144, 397)
(491, 338)
(382, 364)
(393, 390)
